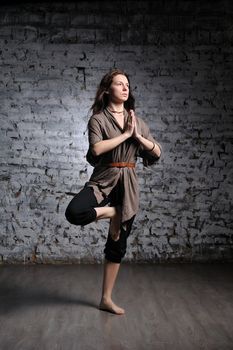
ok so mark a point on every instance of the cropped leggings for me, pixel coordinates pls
(80, 211)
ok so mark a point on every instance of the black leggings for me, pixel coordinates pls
(80, 211)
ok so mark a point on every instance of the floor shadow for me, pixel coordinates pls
(14, 297)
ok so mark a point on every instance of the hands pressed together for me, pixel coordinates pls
(131, 126)
(130, 130)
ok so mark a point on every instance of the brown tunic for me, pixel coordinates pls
(103, 126)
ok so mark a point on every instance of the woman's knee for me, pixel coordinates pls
(80, 217)
(80, 210)
(116, 250)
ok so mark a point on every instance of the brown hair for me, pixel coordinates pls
(101, 98)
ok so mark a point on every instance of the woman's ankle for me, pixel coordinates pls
(105, 212)
(106, 298)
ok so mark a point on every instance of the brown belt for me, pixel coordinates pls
(121, 165)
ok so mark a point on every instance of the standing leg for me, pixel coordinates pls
(114, 252)
(110, 274)
(84, 209)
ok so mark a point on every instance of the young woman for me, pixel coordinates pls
(116, 138)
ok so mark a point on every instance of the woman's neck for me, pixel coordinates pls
(116, 108)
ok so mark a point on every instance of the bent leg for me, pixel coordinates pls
(105, 212)
(80, 210)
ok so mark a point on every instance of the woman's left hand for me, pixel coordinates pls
(135, 133)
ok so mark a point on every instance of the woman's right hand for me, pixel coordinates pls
(129, 128)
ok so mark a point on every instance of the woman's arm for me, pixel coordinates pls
(148, 145)
(152, 147)
(107, 145)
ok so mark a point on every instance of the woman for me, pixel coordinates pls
(116, 138)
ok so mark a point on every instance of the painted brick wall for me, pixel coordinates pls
(179, 57)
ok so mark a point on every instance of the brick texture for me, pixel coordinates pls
(179, 57)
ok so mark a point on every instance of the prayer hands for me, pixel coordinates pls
(131, 127)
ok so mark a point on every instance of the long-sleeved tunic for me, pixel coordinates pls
(103, 126)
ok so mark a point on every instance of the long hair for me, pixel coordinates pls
(102, 99)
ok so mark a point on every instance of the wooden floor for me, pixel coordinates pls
(168, 306)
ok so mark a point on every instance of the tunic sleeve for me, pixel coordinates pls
(148, 158)
(95, 134)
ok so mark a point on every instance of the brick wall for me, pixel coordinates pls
(179, 57)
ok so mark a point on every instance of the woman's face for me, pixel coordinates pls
(119, 89)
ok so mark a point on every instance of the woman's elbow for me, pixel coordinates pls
(159, 150)
(95, 151)
(156, 154)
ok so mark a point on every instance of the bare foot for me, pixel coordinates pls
(115, 224)
(108, 305)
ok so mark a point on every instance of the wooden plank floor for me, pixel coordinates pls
(168, 306)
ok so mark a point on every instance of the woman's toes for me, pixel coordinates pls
(111, 307)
